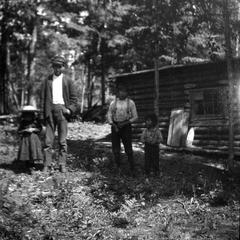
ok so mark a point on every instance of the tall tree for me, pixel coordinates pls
(105, 36)
(3, 56)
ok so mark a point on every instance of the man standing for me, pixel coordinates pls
(121, 114)
(58, 103)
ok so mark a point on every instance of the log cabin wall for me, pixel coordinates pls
(201, 89)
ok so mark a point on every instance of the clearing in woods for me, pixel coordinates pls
(192, 198)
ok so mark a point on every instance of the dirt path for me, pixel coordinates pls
(189, 200)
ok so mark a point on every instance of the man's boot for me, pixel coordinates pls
(62, 161)
(47, 160)
(132, 165)
(117, 159)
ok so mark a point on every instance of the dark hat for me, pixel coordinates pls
(122, 88)
(153, 117)
(58, 60)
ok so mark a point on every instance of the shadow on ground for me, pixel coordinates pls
(19, 167)
(181, 175)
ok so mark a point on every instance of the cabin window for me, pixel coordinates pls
(208, 102)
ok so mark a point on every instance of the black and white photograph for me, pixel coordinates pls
(119, 119)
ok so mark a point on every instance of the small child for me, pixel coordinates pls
(151, 137)
(30, 148)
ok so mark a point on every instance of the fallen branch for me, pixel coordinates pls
(184, 207)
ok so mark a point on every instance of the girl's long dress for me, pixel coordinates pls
(30, 147)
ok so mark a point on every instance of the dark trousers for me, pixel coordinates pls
(124, 134)
(56, 121)
(151, 158)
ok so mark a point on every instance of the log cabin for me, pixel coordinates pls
(193, 104)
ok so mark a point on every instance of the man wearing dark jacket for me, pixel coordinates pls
(58, 103)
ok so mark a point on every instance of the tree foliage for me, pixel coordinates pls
(102, 37)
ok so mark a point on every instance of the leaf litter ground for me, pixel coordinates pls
(192, 198)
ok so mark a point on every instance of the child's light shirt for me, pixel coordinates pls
(151, 136)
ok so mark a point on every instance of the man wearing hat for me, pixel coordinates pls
(58, 103)
(121, 114)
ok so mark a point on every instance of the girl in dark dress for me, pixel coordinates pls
(30, 148)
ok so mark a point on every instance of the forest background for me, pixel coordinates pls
(101, 38)
(194, 197)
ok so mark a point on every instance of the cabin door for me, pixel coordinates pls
(178, 128)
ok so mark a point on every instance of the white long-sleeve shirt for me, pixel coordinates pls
(57, 90)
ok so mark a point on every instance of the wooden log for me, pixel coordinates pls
(212, 147)
(142, 106)
(8, 118)
(193, 78)
(199, 84)
(143, 101)
(147, 97)
(138, 125)
(208, 122)
(212, 129)
(215, 132)
(164, 118)
(210, 81)
(163, 124)
(141, 91)
(167, 101)
(142, 85)
(210, 143)
(211, 136)
(237, 136)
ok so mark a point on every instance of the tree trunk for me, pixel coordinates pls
(14, 95)
(230, 83)
(156, 61)
(88, 86)
(31, 63)
(91, 90)
(83, 87)
(156, 87)
(83, 98)
(23, 77)
(102, 51)
(8, 64)
(102, 80)
(3, 60)
(237, 45)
